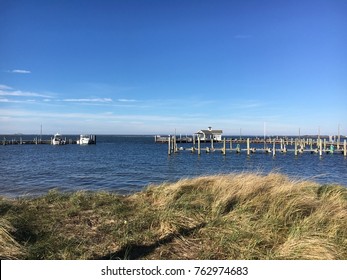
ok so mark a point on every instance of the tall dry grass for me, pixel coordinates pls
(249, 216)
(9, 248)
(233, 216)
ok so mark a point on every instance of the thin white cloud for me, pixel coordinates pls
(20, 71)
(103, 100)
(10, 92)
(5, 87)
(107, 116)
(126, 100)
(6, 100)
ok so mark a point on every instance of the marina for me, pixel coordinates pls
(128, 163)
(57, 139)
(330, 145)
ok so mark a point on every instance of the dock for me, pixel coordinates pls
(180, 139)
(272, 146)
(40, 141)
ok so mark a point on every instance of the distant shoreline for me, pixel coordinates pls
(163, 134)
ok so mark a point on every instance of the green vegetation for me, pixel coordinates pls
(236, 216)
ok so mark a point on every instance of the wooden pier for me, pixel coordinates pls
(268, 146)
(180, 139)
(39, 141)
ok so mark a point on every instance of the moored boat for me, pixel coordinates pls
(84, 140)
(58, 139)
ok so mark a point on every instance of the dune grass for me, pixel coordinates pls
(235, 216)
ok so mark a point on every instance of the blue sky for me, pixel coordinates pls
(153, 67)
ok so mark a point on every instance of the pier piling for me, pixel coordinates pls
(320, 147)
(248, 147)
(296, 147)
(325, 144)
(272, 145)
(224, 147)
(199, 150)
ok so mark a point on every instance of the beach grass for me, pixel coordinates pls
(234, 216)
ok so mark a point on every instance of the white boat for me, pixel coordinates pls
(58, 139)
(84, 140)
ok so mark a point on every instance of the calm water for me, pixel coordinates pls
(128, 163)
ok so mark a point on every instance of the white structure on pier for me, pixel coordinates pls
(210, 134)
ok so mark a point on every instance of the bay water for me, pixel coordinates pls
(126, 164)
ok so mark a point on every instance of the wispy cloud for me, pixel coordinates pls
(6, 100)
(106, 116)
(11, 95)
(4, 87)
(19, 71)
(102, 100)
(126, 100)
(8, 91)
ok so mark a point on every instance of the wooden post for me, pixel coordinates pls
(194, 140)
(296, 147)
(224, 147)
(199, 150)
(344, 148)
(284, 148)
(274, 149)
(325, 144)
(248, 148)
(320, 147)
(169, 144)
(174, 147)
(231, 144)
(212, 143)
(281, 144)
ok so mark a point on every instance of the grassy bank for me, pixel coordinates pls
(246, 216)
